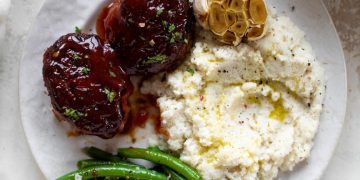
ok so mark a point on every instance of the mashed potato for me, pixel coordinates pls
(243, 112)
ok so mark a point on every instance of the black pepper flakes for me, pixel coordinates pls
(292, 8)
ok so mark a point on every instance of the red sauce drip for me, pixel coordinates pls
(72, 134)
(159, 129)
(100, 26)
(143, 108)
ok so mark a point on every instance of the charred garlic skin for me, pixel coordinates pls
(87, 87)
(232, 21)
(151, 36)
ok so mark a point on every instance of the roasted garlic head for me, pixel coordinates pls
(232, 20)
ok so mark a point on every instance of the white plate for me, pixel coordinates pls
(57, 154)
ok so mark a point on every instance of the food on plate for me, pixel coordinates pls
(87, 86)
(96, 153)
(244, 112)
(91, 163)
(113, 170)
(106, 165)
(150, 36)
(160, 158)
(232, 20)
(171, 173)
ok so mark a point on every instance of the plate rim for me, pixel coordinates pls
(338, 42)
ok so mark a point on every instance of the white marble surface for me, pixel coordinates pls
(16, 161)
(345, 163)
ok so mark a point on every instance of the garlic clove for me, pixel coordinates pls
(257, 11)
(255, 33)
(217, 19)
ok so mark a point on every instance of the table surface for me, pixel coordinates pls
(16, 161)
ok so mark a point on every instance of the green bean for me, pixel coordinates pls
(99, 154)
(122, 171)
(173, 174)
(160, 158)
(91, 163)
(156, 148)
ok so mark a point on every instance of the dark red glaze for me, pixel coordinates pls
(144, 107)
(140, 30)
(77, 70)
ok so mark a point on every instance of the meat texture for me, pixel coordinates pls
(86, 84)
(151, 36)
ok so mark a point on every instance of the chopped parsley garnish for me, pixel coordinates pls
(186, 41)
(176, 36)
(73, 114)
(160, 58)
(77, 30)
(85, 70)
(159, 11)
(76, 57)
(165, 24)
(190, 70)
(172, 40)
(171, 28)
(110, 95)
